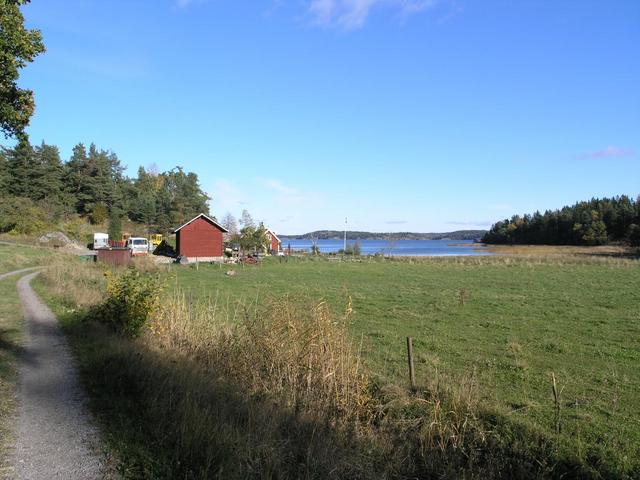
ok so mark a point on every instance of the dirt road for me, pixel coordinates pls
(55, 438)
(17, 272)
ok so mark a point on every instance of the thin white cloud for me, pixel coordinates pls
(127, 66)
(226, 196)
(609, 152)
(187, 3)
(287, 195)
(353, 14)
(278, 187)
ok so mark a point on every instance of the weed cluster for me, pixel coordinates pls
(75, 286)
(132, 298)
(295, 351)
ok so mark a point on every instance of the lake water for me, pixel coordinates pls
(414, 248)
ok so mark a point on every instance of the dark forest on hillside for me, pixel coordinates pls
(593, 222)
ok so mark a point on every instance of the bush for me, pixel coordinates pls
(21, 216)
(99, 214)
(132, 299)
(77, 229)
(352, 249)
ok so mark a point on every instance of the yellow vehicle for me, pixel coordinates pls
(156, 239)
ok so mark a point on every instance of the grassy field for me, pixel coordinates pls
(512, 322)
(620, 251)
(13, 257)
(236, 376)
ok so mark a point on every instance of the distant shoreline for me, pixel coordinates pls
(386, 236)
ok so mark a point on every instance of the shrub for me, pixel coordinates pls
(77, 229)
(99, 214)
(131, 299)
(21, 216)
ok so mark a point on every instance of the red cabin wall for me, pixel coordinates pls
(274, 244)
(199, 239)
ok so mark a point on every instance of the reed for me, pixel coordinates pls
(294, 350)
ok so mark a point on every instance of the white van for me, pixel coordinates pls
(100, 240)
(138, 245)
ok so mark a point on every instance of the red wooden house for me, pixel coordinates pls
(200, 239)
(274, 241)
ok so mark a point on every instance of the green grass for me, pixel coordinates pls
(14, 257)
(10, 346)
(520, 321)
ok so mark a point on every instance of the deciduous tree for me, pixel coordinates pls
(18, 47)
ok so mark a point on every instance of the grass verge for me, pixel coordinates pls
(10, 347)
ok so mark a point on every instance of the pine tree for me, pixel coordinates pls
(21, 164)
(74, 175)
(115, 225)
(46, 176)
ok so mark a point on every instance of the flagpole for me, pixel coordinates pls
(344, 248)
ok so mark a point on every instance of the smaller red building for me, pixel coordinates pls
(114, 256)
(200, 239)
(274, 241)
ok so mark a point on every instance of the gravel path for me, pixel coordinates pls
(17, 272)
(55, 436)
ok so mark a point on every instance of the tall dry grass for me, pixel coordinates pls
(296, 351)
(75, 285)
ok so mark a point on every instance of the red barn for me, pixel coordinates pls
(200, 239)
(274, 241)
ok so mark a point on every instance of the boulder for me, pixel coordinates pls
(55, 238)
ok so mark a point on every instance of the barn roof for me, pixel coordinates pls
(207, 218)
(273, 233)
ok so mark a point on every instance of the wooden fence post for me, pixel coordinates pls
(412, 372)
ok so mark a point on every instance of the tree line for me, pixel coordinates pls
(38, 188)
(594, 222)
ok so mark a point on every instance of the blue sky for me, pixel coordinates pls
(402, 115)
